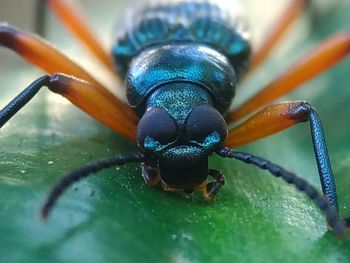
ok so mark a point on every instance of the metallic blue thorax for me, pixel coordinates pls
(199, 42)
(188, 63)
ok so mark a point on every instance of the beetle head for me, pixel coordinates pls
(182, 150)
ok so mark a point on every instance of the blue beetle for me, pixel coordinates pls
(181, 62)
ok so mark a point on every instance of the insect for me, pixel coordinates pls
(181, 62)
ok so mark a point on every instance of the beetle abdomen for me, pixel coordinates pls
(216, 23)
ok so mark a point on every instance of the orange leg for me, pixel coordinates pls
(270, 120)
(279, 29)
(40, 53)
(80, 93)
(96, 104)
(77, 24)
(281, 116)
(317, 61)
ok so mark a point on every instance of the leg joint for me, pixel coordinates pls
(300, 111)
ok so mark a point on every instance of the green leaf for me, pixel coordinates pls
(114, 216)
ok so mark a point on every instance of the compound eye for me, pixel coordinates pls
(157, 125)
(203, 121)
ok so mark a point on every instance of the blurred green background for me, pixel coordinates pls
(114, 217)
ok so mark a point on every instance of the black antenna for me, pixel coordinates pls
(336, 224)
(85, 171)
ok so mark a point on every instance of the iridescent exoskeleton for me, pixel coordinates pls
(182, 61)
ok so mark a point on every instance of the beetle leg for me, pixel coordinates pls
(278, 29)
(210, 189)
(70, 16)
(278, 117)
(40, 53)
(81, 93)
(317, 61)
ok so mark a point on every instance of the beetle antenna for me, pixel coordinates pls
(85, 171)
(335, 223)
